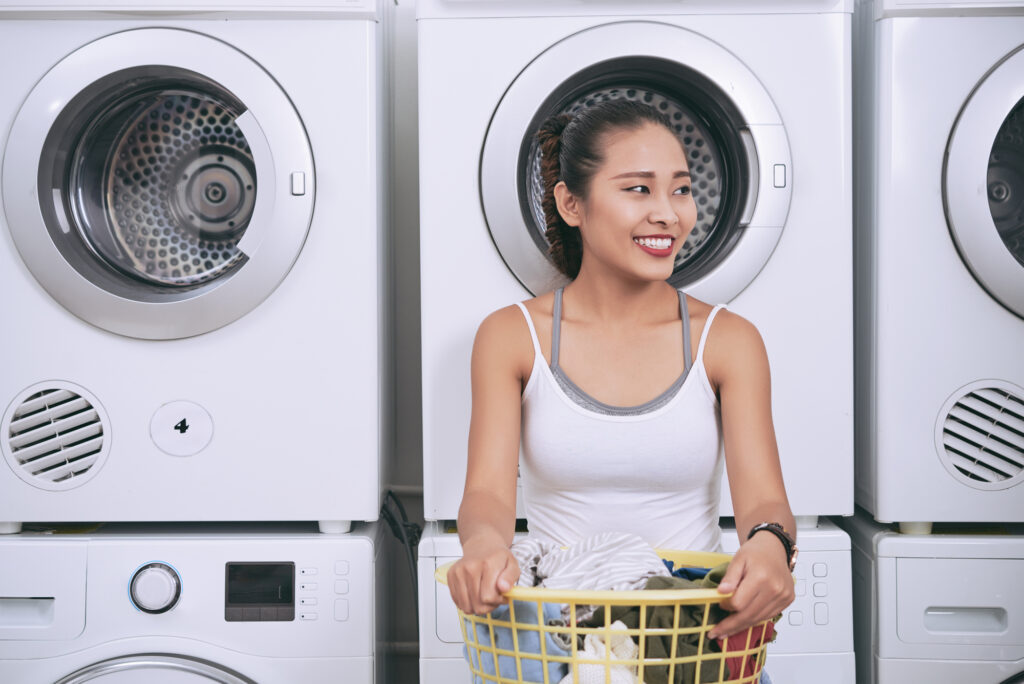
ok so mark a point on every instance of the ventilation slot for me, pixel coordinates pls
(54, 437)
(983, 438)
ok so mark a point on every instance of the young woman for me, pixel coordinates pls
(620, 388)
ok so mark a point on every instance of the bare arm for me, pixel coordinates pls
(759, 576)
(487, 513)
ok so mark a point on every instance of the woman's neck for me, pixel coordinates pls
(606, 298)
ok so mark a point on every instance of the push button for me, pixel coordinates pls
(821, 613)
(796, 618)
(308, 586)
(307, 616)
(341, 610)
(307, 601)
(800, 587)
(341, 568)
(819, 570)
(307, 571)
(341, 586)
(820, 589)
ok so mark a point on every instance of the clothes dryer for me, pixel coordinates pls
(815, 635)
(940, 260)
(192, 254)
(943, 608)
(191, 605)
(770, 154)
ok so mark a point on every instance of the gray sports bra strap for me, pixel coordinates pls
(556, 328)
(684, 313)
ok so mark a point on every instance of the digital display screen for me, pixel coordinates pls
(260, 584)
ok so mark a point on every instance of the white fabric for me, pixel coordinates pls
(656, 474)
(622, 648)
(613, 560)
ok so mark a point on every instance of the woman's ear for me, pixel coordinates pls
(568, 204)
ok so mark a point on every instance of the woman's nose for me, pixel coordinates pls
(662, 211)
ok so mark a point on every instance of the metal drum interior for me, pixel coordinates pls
(1006, 182)
(706, 124)
(147, 184)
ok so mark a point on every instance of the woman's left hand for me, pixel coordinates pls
(760, 583)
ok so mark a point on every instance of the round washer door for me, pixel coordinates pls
(158, 183)
(983, 182)
(155, 669)
(732, 133)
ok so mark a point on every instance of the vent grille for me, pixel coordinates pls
(982, 438)
(55, 436)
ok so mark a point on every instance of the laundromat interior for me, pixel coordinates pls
(245, 246)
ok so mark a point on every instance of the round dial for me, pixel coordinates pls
(155, 588)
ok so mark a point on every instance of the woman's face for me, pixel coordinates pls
(639, 209)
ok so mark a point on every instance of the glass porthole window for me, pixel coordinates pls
(151, 183)
(703, 122)
(983, 183)
(1006, 182)
(733, 136)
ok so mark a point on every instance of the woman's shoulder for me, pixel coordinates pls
(727, 327)
(733, 345)
(505, 332)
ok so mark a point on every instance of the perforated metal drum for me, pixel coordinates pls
(1006, 182)
(162, 186)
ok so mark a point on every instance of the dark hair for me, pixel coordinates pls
(570, 151)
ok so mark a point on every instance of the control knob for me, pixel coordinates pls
(155, 588)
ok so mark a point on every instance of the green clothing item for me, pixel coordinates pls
(661, 617)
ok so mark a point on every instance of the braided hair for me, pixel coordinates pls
(570, 151)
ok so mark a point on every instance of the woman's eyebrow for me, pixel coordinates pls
(649, 174)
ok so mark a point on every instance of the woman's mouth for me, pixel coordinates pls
(655, 245)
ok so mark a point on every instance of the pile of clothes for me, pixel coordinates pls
(621, 562)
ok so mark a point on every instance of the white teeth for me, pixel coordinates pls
(654, 243)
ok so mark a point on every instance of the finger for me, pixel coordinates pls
(489, 592)
(733, 576)
(458, 591)
(744, 599)
(509, 575)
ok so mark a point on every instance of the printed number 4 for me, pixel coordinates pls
(182, 426)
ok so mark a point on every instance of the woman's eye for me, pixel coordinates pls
(684, 190)
(637, 188)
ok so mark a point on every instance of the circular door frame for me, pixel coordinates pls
(965, 182)
(273, 131)
(766, 209)
(184, 665)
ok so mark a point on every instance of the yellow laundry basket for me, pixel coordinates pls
(494, 653)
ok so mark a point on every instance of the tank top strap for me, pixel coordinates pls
(704, 333)
(556, 328)
(533, 331)
(684, 314)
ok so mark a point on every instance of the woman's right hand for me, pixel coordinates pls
(478, 580)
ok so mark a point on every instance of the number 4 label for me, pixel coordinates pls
(181, 426)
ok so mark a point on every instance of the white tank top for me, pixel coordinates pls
(654, 470)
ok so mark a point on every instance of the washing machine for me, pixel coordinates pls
(940, 261)
(761, 99)
(942, 607)
(231, 605)
(815, 636)
(192, 251)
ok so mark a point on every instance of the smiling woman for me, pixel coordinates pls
(620, 421)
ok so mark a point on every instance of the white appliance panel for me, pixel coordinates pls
(282, 381)
(327, 585)
(906, 387)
